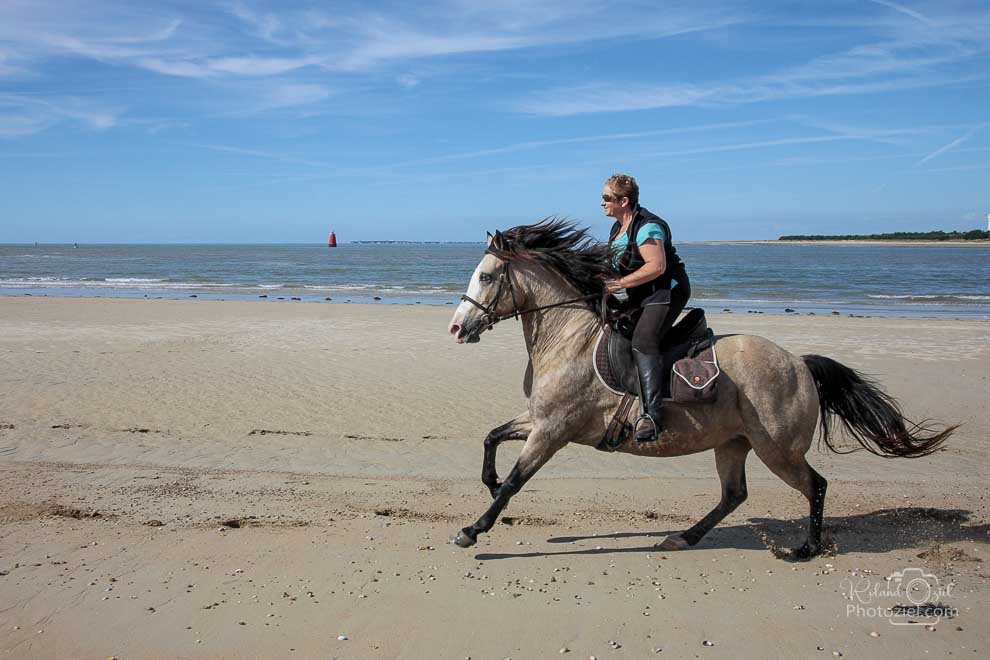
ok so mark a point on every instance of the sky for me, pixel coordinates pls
(272, 122)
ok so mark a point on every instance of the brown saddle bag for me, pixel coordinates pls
(694, 378)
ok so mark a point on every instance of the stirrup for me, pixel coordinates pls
(657, 430)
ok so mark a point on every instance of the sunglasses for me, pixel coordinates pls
(610, 198)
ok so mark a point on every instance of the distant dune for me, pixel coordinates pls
(972, 243)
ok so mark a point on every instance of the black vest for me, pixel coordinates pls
(631, 260)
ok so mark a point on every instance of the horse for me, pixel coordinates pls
(551, 275)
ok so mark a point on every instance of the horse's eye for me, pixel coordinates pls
(485, 278)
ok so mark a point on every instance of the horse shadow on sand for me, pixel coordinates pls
(876, 532)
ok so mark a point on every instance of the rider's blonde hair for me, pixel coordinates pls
(624, 185)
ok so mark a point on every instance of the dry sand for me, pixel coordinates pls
(235, 479)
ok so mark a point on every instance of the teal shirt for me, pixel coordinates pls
(646, 232)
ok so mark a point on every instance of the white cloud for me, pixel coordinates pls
(264, 25)
(375, 40)
(896, 136)
(303, 54)
(608, 137)
(179, 68)
(960, 168)
(260, 153)
(259, 66)
(947, 147)
(910, 58)
(904, 10)
(276, 95)
(609, 97)
(22, 115)
(762, 144)
(288, 47)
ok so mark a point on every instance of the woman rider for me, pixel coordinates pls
(647, 266)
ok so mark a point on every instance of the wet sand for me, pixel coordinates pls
(259, 479)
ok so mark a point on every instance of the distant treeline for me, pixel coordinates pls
(973, 235)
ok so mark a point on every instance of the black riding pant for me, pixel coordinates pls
(660, 311)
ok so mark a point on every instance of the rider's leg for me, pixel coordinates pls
(650, 366)
(679, 296)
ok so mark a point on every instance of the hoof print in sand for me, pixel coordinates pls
(23, 511)
(351, 436)
(537, 521)
(139, 429)
(254, 521)
(278, 432)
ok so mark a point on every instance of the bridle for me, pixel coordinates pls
(488, 316)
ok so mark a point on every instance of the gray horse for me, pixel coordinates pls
(551, 276)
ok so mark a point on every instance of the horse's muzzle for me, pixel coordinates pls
(469, 332)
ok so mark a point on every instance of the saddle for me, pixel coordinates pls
(689, 338)
(688, 350)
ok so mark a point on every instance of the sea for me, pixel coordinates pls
(868, 280)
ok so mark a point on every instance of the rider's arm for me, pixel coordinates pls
(656, 263)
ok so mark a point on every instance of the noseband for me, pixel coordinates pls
(488, 316)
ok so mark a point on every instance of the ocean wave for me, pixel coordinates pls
(928, 297)
(134, 280)
(765, 301)
(110, 283)
(375, 287)
(38, 279)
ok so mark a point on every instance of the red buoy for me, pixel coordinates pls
(332, 241)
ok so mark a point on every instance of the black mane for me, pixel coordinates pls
(565, 248)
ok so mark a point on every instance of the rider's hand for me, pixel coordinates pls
(613, 285)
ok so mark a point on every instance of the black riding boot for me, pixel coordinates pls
(650, 424)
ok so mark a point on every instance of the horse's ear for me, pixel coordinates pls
(490, 239)
(498, 240)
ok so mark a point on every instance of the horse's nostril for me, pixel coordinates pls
(454, 328)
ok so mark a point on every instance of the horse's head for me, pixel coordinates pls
(490, 295)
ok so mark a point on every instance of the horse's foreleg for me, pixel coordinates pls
(535, 453)
(516, 429)
(730, 461)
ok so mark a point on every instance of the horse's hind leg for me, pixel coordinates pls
(796, 473)
(730, 460)
(515, 429)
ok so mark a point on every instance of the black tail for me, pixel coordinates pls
(869, 414)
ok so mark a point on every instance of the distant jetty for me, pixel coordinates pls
(415, 242)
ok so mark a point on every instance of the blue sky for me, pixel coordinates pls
(276, 122)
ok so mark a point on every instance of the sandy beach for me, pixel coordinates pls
(205, 479)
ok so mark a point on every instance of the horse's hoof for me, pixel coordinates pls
(804, 553)
(464, 539)
(674, 543)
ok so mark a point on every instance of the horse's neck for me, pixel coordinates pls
(560, 332)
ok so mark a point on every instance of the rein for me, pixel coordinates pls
(489, 319)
